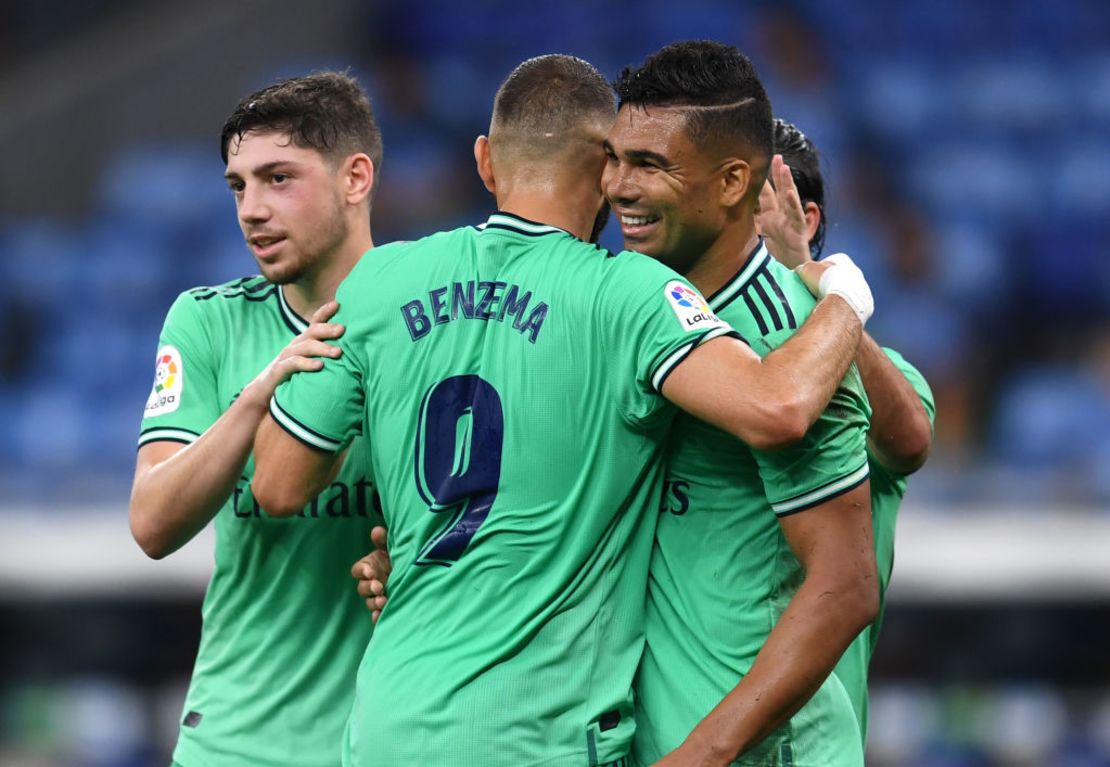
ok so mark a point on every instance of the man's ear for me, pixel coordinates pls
(359, 172)
(813, 218)
(736, 181)
(484, 161)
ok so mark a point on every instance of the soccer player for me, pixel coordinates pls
(282, 632)
(513, 380)
(900, 432)
(763, 570)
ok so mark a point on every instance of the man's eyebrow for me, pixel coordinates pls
(261, 170)
(640, 155)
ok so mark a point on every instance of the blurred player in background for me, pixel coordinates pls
(282, 634)
(514, 380)
(900, 432)
(763, 570)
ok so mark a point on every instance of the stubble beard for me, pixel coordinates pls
(309, 261)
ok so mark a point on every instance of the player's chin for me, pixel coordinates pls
(648, 245)
(281, 274)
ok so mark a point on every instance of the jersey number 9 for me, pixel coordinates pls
(458, 460)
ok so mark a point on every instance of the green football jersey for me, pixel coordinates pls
(887, 489)
(508, 376)
(722, 571)
(283, 627)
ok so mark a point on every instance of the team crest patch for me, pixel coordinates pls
(165, 396)
(691, 309)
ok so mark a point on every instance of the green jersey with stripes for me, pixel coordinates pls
(283, 626)
(509, 378)
(722, 571)
(887, 490)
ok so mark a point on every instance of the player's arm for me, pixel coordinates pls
(287, 472)
(299, 446)
(837, 599)
(901, 433)
(178, 488)
(773, 401)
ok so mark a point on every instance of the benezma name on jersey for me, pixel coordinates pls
(475, 300)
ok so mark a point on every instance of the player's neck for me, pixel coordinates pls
(724, 258)
(550, 206)
(314, 290)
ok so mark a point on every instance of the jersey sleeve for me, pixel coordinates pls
(183, 400)
(650, 320)
(324, 409)
(829, 461)
(917, 381)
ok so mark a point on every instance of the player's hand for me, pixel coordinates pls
(838, 275)
(781, 218)
(372, 573)
(811, 273)
(302, 355)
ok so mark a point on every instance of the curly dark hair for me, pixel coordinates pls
(325, 111)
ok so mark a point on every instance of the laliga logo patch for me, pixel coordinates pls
(168, 381)
(691, 309)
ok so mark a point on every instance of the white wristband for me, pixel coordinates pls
(847, 281)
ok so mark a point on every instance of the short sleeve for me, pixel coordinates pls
(917, 381)
(829, 461)
(324, 409)
(650, 319)
(183, 399)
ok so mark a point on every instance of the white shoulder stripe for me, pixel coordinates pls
(169, 434)
(300, 431)
(669, 363)
(830, 490)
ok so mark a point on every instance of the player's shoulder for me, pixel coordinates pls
(630, 265)
(411, 254)
(766, 292)
(204, 303)
(793, 288)
(433, 241)
(244, 290)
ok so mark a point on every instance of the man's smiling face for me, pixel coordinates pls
(663, 190)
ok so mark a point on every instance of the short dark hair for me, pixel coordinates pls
(550, 97)
(727, 99)
(325, 111)
(800, 154)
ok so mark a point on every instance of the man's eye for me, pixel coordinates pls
(279, 178)
(236, 186)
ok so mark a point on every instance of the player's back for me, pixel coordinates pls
(508, 374)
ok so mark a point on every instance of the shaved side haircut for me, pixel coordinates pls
(725, 103)
(546, 106)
